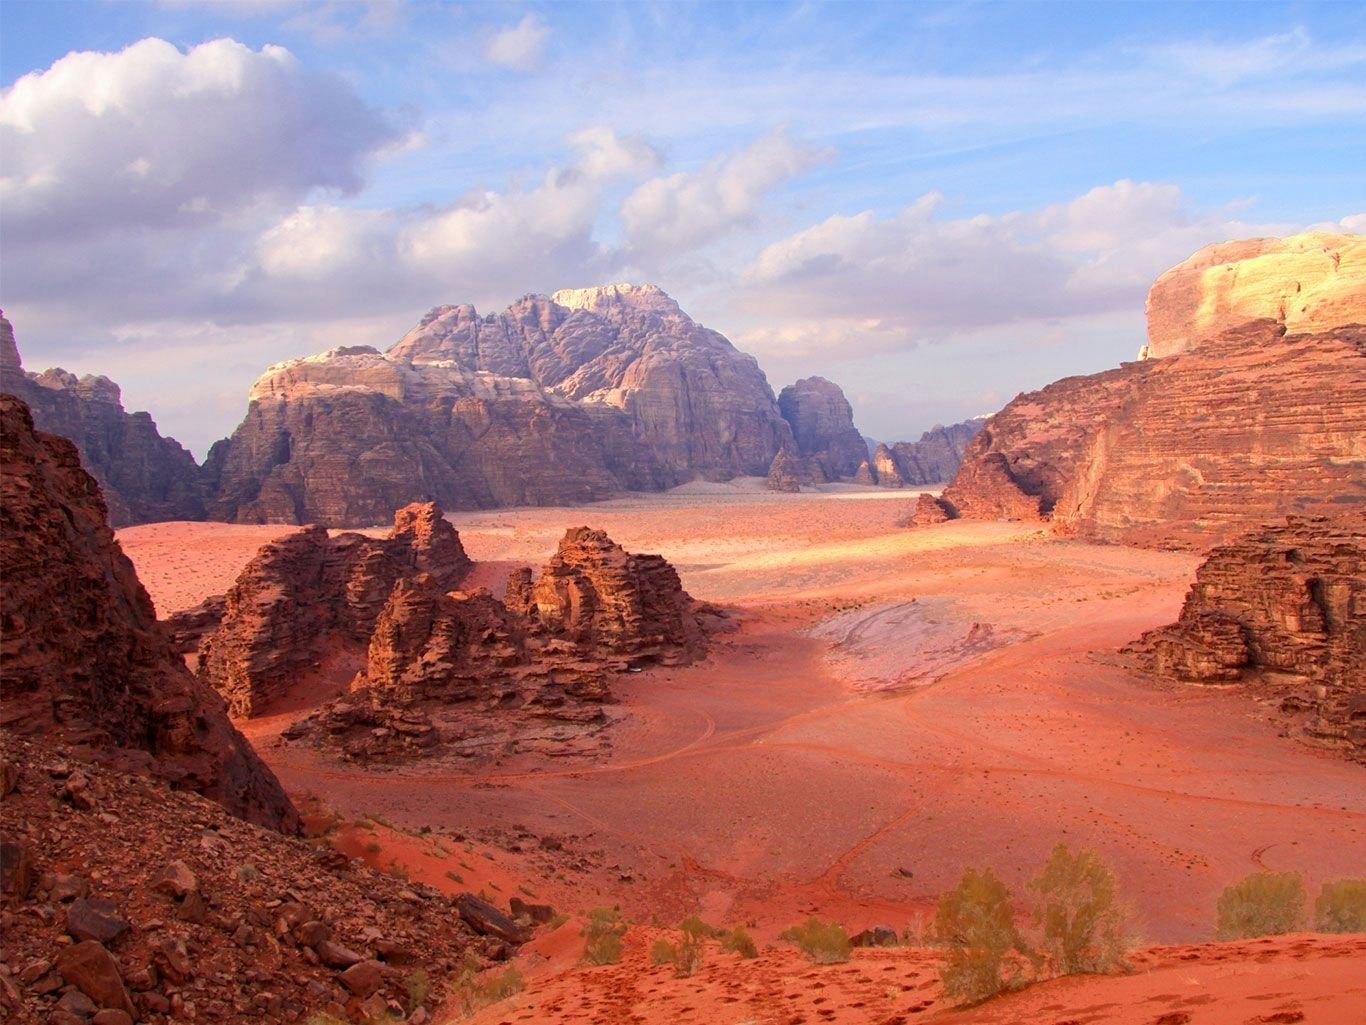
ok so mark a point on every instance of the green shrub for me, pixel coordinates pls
(694, 926)
(470, 989)
(663, 952)
(739, 941)
(1341, 906)
(975, 922)
(822, 942)
(1079, 914)
(1263, 904)
(602, 936)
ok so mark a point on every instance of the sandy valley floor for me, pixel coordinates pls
(897, 704)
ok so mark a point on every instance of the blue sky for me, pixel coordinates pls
(936, 205)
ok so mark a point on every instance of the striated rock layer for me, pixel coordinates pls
(1186, 451)
(304, 590)
(822, 424)
(562, 399)
(1283, 601)
(145, 477)
(84, 660)
(933, 459)
(1309, 283)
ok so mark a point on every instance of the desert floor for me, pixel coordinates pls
(897, 704)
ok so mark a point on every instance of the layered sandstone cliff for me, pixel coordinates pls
(1283, 604)
(1224, 432)
(822, 424)
(84, 660)
(561, 399)
(145, 477)
(1309, 283)
(307, 590)
(934, 459)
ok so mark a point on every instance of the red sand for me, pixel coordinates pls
(760, 785)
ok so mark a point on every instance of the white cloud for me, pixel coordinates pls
(602, 153)
(151, 136)
(682, 211)
(520, 47)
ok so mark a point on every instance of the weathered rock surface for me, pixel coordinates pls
(1309, 283)
(300, 593)
(930, 510)
(789, 473)
(84, 660)
(934, 459)
(560, 399)
(249, 932)
(145, 477)
(822, 424)
(1284, 602)
(1186, 451)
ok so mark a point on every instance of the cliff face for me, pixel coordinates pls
(145, 477)
(565, 399)
(1282, 603)
(84, 660)
(822, 424)
(1309, 283)
(933, 459)
(1223, 432)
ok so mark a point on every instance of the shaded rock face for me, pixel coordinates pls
(145, 477)
(1287, 600)
(1187, 451)
(822, 424)
(304, 590)
(84, 660)
(1309, 283)
(562, 399)
(790, 473)
(604, 599)
(933, 459)
(930, 510)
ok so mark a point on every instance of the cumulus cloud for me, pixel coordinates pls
(602, 153)
(151, 136)
(520, 47)
(689, 209)
(888, 283)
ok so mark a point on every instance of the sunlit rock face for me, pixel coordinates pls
(1311, 282)
(568, 398)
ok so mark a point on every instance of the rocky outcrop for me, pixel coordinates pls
(561, 399)
(1308, 283)
(930, 510)
(84, 660)
(865, 475)
(304, 592)
(790, 473)
(1282, 603)
(822, 424)
(144, 477)
(934, 459)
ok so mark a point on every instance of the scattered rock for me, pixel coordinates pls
(94, 918)
(93, 971)
(487, 920)
(363, 978)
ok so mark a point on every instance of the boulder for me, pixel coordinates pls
(94, 918)
(93, 971)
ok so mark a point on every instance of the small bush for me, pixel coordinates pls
(373, 847)
(470, 989)
(1263, 904)
(694, 926)
(975, 922)
(1082, 921)
(602, 936)
(663, 952)
(822, 942)
(1341, 906)
(739, 941)
(416, 985)
(247, 873)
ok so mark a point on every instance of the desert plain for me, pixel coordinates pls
(890, 706)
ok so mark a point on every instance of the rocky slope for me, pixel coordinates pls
(560, 399)
(933, 459)
(1283, 607)
(822, 424)
(84, 660)
(1311, 282)
(204, 918)
(308, 589)
(145, 477)
(1228, 431)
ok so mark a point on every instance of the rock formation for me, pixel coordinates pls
(144, 476)
(1187, 450)
(790, 473)
(822, 424)
(1282, 603)
(84, 660)
(934, 459)
(1309, 283)
(306, 590)
(930, 510)
(564, 399)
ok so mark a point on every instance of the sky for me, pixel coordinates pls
(937, 206)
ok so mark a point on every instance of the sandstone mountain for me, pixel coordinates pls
(933, 459)
(561, 399)
(822, 424)
(1283, 607)
(1311, 282)
(1188, 450)
(144, 477)
(84, 660)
